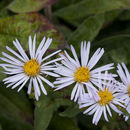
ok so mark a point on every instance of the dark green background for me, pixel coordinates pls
(106, 23)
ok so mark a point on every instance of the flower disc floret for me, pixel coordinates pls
(31, 68)
(82, 74)
(105, 97)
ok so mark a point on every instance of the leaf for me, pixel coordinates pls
(65, 30)
(15, 109)
(71, 111)
(23, 25)
(87, 30)
(117, 47)
(125, 15)
(62, 123)
(44, 110)
(112, 15)
(43, 113)
(4, 3)
(3, 7)
(24, 6)
(90, 7)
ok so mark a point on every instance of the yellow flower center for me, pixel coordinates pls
(82, 74)
(105, 97)
(128, 90)
(31, 68)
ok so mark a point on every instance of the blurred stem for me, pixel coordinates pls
(48, 12)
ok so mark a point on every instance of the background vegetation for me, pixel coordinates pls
(106, 23)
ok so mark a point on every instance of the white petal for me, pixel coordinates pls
(12, 58)
(23, 84)
(11, 62)
(99, 115)
(16, 54)
(77, 93)
(14, 78)
(40, 47)
(19, 82)
(103, 68)
(30, 47)
(96, 114)
(50, 73)
(29, 86)
(34, 46)
(71, 59)
(87, 53)
(42, 87)
(108, 109)
(74, 91)
(128, 108)
(115, 108)
(93, 61)
(63, 80)
(36, 86)
(105, 115)
(93, 110)
(20, 49)
(46, 81)
(54, 53)
(90, 108)
(74, 54)
(45, 47)
(64, 85)
(52, 61)
(127, 72)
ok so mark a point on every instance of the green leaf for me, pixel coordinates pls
(89, 7)
(4, 3)
(24, 6)
(43, 112)
(71, 111)
(45, 108)
(117, 47)
(62, 123)
(125, 15)
(15, 109)
(112, 15)
(87, 30)
(23, 25)
(3, 7)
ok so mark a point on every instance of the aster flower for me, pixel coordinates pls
(23, 69)
(82, 74)
(125, 85)
(102, 100)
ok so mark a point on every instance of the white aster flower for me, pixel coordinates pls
(82, 73)
(125, 85)
(23, 69)
(102, 100)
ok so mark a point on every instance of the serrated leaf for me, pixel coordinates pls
(87, 30)
(24, 6)
(87, 7)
